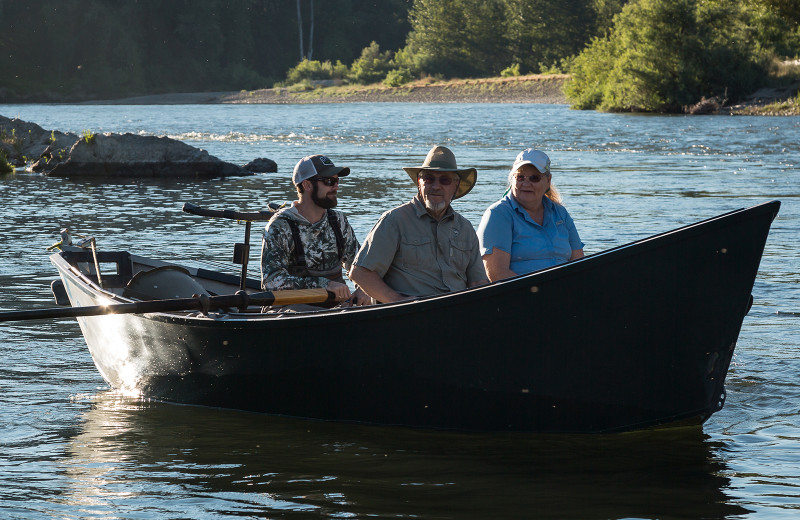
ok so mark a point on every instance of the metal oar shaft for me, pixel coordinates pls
(204, 303)
(98, 310)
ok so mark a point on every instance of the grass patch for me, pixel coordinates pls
(5, 166)
(88, 136)
(789, 107)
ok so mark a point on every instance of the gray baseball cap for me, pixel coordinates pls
(316, 165)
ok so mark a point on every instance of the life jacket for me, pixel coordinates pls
(300, 268)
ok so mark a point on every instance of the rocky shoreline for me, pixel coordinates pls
(521, 89)
(542, 89)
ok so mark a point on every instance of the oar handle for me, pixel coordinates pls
(240, 300)
(289, 297)
(249, 216)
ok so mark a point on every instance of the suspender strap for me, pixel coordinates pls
(300, 253)
(333, 220)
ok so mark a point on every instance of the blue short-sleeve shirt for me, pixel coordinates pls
(507, 226)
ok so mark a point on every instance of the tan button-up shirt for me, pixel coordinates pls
(416, 255)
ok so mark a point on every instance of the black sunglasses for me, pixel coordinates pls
(444, 180)
(327, 181)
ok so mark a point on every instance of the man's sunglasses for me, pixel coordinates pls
(327, 181)
(444, 180)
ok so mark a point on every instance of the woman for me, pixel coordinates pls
(528, 229)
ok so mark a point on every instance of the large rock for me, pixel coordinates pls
(130, 155)
(261, 165)
(25, 142)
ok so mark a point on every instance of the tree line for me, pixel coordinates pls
(649, 55)
(77, 50)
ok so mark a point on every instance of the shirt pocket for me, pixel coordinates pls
(416, 252)
(561, 247)
(460, 254)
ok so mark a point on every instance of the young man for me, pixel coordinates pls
(306, 245)
(423, 247)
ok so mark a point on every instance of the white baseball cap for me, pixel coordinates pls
(316, 165)
(535, 158)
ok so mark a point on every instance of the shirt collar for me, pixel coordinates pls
(546, 202)
(420, 209)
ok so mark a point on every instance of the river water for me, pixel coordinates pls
(72, 448)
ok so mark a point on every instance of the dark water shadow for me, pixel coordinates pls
(181, 461)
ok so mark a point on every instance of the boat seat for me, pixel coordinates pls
(84, 261)
(163, 283)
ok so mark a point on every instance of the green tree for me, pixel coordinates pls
(371, 66)
(459, 37)
(664, 54)
(543, 32)
(775, 26)
(61, 50)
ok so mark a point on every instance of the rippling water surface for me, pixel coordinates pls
(71, 448)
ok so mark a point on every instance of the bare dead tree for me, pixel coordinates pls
(300, 29)
(311, 30)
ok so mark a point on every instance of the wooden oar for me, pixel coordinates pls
(204, 303)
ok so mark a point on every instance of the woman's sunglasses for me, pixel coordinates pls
(534, 178)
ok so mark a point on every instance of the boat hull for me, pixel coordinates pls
(635, 337)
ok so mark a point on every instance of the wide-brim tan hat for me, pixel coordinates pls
(441, 159)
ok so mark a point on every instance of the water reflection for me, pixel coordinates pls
(178, 461)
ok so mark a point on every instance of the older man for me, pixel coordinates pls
(306, 245)
(423, 247)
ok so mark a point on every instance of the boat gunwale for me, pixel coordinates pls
(456, 298)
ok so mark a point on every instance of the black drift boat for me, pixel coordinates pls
(635, 337)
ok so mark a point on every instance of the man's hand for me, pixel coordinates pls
(342, 291)
(374, 285)
(360, 298)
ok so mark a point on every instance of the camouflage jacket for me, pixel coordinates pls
(319, 246)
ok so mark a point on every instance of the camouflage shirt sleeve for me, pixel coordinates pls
(277, 253)
(351, 245)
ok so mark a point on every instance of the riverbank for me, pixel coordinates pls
(522, 89)
(545, 89)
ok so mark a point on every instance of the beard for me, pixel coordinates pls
(435, 206)
(323, 202)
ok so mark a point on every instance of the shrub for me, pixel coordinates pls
(397, 77)
(301, 86)
(313, 70)
(510, 71)
(5, 166)
(371, 66)
(407, 58)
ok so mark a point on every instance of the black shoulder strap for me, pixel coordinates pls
(333, 220)
(299, 252)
